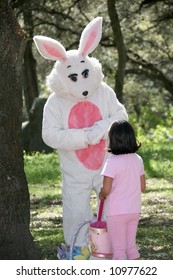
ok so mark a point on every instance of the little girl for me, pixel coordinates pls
(123, 182)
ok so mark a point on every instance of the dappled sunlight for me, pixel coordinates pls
(154, 236)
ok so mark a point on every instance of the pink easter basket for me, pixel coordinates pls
(99, 240)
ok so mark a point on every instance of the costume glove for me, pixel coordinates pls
(94, 134)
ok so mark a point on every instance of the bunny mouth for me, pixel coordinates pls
(80, 96)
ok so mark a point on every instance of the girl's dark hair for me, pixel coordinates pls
(122, 139)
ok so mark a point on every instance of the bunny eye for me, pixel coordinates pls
(73, 77)
(85, 73)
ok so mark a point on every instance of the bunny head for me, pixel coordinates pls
(75, 74)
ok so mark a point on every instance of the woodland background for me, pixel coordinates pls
(136, 52)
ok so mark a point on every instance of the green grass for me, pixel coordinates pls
(155, 238)
(42, 168)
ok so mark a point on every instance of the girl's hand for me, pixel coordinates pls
(107, 185)
(101, 196)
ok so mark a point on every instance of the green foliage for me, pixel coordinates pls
(157, 144)
(158, 160)
(147, 36)
(152, 126)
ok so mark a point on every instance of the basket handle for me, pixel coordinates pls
(100, 210)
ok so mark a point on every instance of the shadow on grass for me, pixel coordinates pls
(155, 238)
(46, 200)
(46, 225)
(48, 235)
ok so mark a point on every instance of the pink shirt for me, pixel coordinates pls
(125, 195)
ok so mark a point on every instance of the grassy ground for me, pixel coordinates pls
(155, 238)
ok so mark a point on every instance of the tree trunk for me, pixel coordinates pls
(30, 84)
(119, 44)
(16, 241)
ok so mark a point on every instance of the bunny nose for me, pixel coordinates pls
(85, 93)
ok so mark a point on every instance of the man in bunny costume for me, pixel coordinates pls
(76, 119)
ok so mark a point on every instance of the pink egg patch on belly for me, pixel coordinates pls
(85, 114)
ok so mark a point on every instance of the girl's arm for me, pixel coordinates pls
(107, 185)
(143, 183)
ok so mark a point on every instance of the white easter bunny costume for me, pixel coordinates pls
(76, 119)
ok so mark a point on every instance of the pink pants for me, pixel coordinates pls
(122, 230)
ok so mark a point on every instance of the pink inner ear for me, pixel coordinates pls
(54, 52)
(90, 41)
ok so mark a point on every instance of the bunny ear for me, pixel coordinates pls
(50, 48)
(91, 36)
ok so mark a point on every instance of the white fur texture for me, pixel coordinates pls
(60, 83)
(74, 62)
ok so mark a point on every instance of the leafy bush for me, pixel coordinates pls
(153, 125)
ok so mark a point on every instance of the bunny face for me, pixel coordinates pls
(77, 77)
(75, 74)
